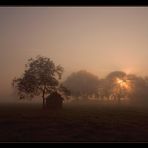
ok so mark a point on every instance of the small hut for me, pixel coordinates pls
(54, 101)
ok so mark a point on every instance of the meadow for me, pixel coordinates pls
(77, 122)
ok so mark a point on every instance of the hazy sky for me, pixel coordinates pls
(98, 39)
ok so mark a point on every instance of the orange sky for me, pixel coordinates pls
(98, 39)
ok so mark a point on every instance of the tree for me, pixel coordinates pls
(139, 91)
(115, 82)
(82, 83)
(104, 89)
(39, 78)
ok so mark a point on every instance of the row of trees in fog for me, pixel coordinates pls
(41, 78)
(115, 86)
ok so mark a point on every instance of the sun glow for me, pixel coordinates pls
(123, 83)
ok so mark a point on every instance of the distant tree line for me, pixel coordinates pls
(116, 86)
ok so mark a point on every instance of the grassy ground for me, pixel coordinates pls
(75, 123)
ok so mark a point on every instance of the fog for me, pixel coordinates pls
(96, 39)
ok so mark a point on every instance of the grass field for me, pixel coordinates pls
(75, 123)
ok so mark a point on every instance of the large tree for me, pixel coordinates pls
(115, 84)
(139, 91)
(39, 78)
(82, 83)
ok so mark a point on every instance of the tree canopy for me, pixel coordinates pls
(82, 83)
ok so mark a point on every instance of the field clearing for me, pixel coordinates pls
(78, 122)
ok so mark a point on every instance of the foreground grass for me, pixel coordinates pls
(75, 123)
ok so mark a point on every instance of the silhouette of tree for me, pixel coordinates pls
(39, 78)
(104, 89)
(122, 85)
(82, 84)
(139, 93)
(113, 85)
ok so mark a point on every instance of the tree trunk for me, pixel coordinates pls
(44, 101)
(118, 99)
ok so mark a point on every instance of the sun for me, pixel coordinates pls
(122, 83)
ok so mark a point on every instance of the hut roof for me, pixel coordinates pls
(55, 95)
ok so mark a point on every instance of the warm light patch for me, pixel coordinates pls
(122, 83)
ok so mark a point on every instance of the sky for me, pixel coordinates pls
(96, 39)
